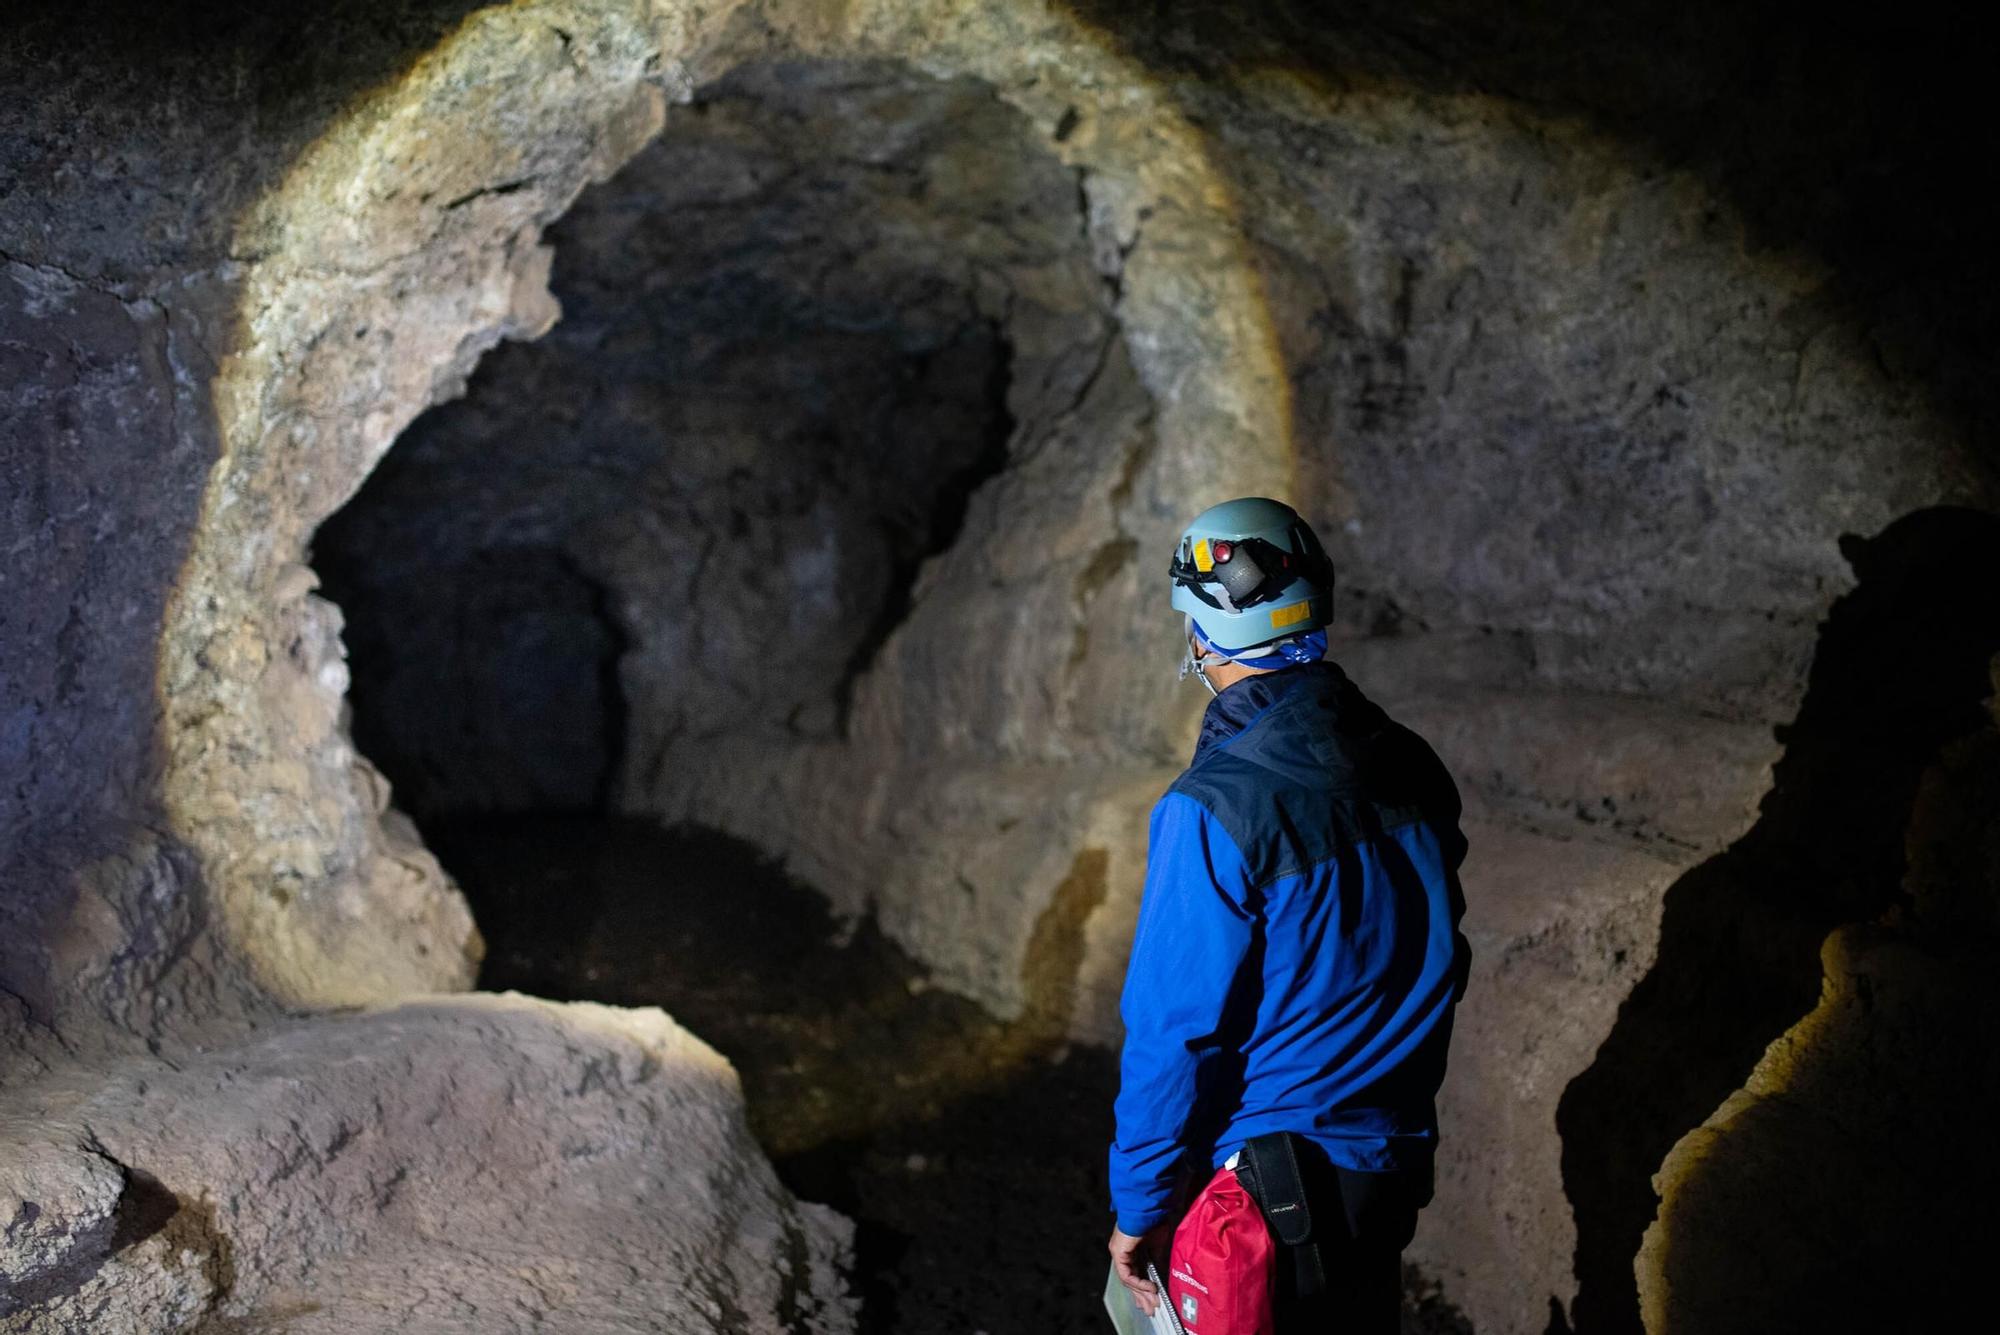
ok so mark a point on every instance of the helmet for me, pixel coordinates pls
(1250, 572)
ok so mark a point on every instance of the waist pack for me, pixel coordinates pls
(1223, 1272)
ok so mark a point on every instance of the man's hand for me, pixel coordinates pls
(1128, 1259)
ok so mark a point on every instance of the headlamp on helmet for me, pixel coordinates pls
(1251, 572)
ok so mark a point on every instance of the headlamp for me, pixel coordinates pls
(1242, 572)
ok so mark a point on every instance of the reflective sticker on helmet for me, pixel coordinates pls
(1290, 616)
(1203, 561)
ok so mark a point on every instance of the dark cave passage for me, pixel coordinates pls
(696, 510)
(699, 506)
(494, 685)
(970, 1152)
(829, 305)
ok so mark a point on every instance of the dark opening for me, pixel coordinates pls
(485, 676)
(697, 510)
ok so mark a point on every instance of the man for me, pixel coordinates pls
(1297, 958)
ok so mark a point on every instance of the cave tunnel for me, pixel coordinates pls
(784, 363)
(584, 657)
(693, 511)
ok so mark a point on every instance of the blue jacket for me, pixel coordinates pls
(1298, 955)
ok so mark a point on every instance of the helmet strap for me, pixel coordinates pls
(1307, 648)
(1191, 662)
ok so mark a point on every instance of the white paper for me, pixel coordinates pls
(1127, 1319)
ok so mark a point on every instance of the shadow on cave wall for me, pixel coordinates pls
(1900, 670)
(227, 93)
(1859, 1140)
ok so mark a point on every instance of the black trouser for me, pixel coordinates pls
(1362, 1222)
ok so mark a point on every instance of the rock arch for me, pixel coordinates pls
(1588, 441)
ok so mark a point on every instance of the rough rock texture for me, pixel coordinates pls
(798, 330)
(306, 876)
(470, 1164)
(355, 318)
(1611, 349)
(99, 897)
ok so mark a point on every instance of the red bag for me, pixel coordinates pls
(1223, 1267)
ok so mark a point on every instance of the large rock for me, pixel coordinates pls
(475, 1164)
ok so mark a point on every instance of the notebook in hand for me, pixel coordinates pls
(1127, 1319)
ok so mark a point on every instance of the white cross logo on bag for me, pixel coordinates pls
(1188, 1308)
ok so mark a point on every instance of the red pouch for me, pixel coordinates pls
(1223, 1267)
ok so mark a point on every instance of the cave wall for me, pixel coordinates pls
(798, 330)
(365, 236)
(1586, 352)
(1579, 434)
(316, 837)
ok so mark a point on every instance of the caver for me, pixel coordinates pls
(1295, 968)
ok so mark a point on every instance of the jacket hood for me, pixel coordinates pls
(1329, 729)
(1238, 706)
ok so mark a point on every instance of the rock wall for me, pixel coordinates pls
(799, 330)
(1577, 436)
(1609, 350)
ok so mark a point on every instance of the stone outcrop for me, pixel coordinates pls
(1605, 392)
(484, 1163)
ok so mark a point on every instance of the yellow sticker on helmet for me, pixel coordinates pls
(1202, 560)
(1290, 616)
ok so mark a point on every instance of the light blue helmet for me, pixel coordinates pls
(1250, 572)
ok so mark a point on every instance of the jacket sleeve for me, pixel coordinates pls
(1195, 923)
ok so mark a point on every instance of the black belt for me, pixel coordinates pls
(1269, 1170)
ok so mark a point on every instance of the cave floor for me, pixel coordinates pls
(969, 1152)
